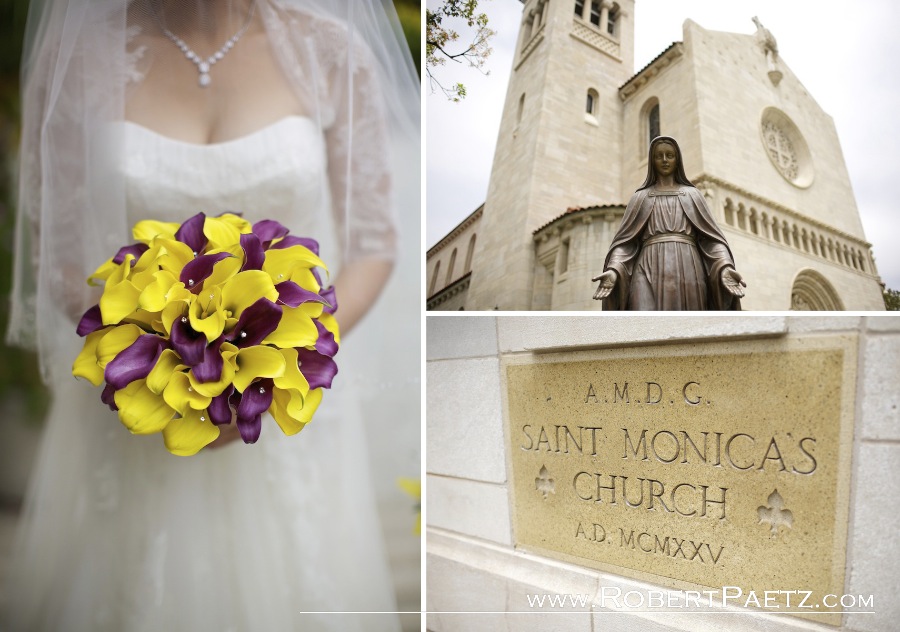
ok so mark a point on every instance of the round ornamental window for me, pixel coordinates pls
(786, 148)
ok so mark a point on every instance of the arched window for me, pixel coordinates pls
(450, 268)
(591, 106)
(563, 261)
(434, 278)
(653, 123)
(469, 255)
(649, 124)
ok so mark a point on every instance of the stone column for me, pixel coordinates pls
(605, 6)
(535, 16)
(586, 11)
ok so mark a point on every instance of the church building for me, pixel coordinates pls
(573, 146)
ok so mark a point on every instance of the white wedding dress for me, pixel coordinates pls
(280, 535)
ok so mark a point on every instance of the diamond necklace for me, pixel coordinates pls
(204, 65)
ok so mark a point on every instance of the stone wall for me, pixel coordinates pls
(473, 565)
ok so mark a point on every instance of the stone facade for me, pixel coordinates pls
(478, 579)
(574, 135)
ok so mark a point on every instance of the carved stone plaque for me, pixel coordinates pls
(707, 465)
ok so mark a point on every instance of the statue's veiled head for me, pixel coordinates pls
(673, 164)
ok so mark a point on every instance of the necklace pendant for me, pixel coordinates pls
(204, 79)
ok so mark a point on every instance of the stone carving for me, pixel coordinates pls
(544, 484)
(781, 149)
(775, 515)
(669, 253)
(770, 47)
(595, 38)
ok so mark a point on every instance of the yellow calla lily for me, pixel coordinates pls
(173, 255)
(285, 401)
(145, 231)
(226, 268)
(116, 340)
(206, 313)
(85, 364)
(292, 378)
(238, 222)
(256, 362)
(221, 233)
(280, 262)
(304, 278)
(180, 395)
(120, 296)
(141, 410)
(244, 289)
(167, 364)
(331, 324)
(103, 272)
(187, 435)
(295, 329)
(153, 296)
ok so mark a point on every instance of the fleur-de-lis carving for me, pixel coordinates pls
(544, 484)
(775, 514)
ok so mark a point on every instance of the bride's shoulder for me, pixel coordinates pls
(330, 36)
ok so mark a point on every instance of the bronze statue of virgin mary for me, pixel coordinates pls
(669, 254)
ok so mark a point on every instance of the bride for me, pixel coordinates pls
(300, 111)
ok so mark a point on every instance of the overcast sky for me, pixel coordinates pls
(844, 53)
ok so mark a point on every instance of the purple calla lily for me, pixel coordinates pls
(330, 297)
(325, 344)
(254, 255)
(256, 322)
(254, 401)
(290, 240)
(195, 273)
(135, 362)
(135, 249)
(90, 322)
(292, 295)
(219, 409)
(189, 344)
(319, 370)
(268, 230)
(210, 369)
(191, 233)
(108, 397)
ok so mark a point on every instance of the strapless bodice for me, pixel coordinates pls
(278, 172)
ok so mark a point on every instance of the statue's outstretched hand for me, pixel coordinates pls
(607, 283)
(733, 282)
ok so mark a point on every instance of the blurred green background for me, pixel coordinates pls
(19, 378)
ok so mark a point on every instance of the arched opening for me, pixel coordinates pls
(434, 278)
(729, 212)
(650, 123)
(450, 268)
(812, 292)
(469, 252)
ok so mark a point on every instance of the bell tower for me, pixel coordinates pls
(560, 139)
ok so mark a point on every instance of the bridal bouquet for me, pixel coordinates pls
(209, 321)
